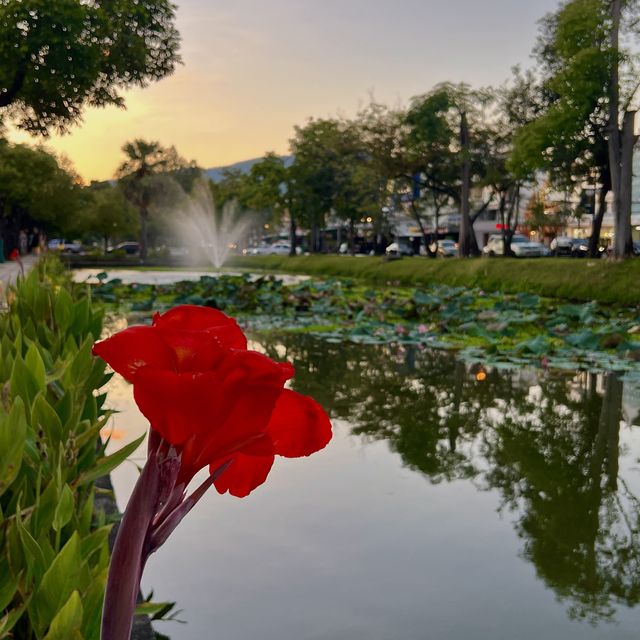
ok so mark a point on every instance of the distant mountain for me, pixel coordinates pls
(217, 173)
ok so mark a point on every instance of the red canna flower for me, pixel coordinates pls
(204, 393)
(210, 403)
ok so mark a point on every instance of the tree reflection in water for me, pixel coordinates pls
(549, 443)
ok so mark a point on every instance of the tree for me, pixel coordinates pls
(106, 214)
(335, 171)
(56, 58)
(446, 126)
(313, 172)
(269, 188)
(577, 135)
(380, 131)
(146, 176)
(36, 189)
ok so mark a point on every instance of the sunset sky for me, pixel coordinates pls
(253, 69)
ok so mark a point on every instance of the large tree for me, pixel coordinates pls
(36, 189)
(447, 129)
(270, 189)
(584, 128)
(150, 173)
(313, 172)
(57, 57)
(106, 215)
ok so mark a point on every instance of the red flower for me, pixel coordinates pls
(212, 399)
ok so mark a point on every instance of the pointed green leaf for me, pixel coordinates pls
(105, 465)
(59, 582)
(63, 309)
(68, 621)
(64, 510)
(35, 364)
(13, 432)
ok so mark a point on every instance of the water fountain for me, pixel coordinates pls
(206, 231)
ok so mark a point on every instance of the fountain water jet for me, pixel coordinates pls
(204, 229)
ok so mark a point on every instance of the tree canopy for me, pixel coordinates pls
(56, 58)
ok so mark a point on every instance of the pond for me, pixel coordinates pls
(455, 501)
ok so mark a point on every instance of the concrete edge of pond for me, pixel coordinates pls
(105, 501)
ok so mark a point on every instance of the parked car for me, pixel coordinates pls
(399, 249)
(580, 248)
(65, 246)
(562, 246)
(130, 248)
(572, 247)
(277, 249)
(447, 248)
(521, 246)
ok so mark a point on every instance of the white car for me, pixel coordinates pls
(275, 249)
(447, 248)
(521, 246)
(66, 246)
(399, 249)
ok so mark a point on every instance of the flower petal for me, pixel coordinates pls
(188, 317)
(249, 469)
(298, 426)
(194, 350)
(134, 348)
(179, 405)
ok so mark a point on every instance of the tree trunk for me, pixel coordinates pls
(613, 128)
(352, 249)
(594, 240)
(464, 236)
(423, 231)
(292, 234)
(144, 216)
(315, 244)
(613, 401)
(622, 239)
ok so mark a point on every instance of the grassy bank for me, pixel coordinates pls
(578, 280)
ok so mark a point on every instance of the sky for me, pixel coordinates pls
(253, 69)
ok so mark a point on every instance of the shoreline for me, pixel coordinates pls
(577, 280)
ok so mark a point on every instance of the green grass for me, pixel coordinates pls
(578, 280)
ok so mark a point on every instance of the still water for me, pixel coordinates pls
(453, 503)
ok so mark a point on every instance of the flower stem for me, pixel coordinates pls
(129, 554)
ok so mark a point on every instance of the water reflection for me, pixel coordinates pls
(549, 443)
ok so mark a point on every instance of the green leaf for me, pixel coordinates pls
(33, 554)
(63, 309)
(155, 610)
(64, 510)
(44, 416)
(23, 383)
(13, 433)
(93, 598)
(68, 621)
(94, 541)
(10, 619)
(8, 584)
(35, 364)
(106, 464)
(59, 582)
(80, 317)
(47, 507)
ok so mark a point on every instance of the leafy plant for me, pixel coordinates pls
(54, 551)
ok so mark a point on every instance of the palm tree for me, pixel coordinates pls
(138, 176)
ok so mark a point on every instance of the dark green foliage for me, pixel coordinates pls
(35, 186)
(58, 57)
